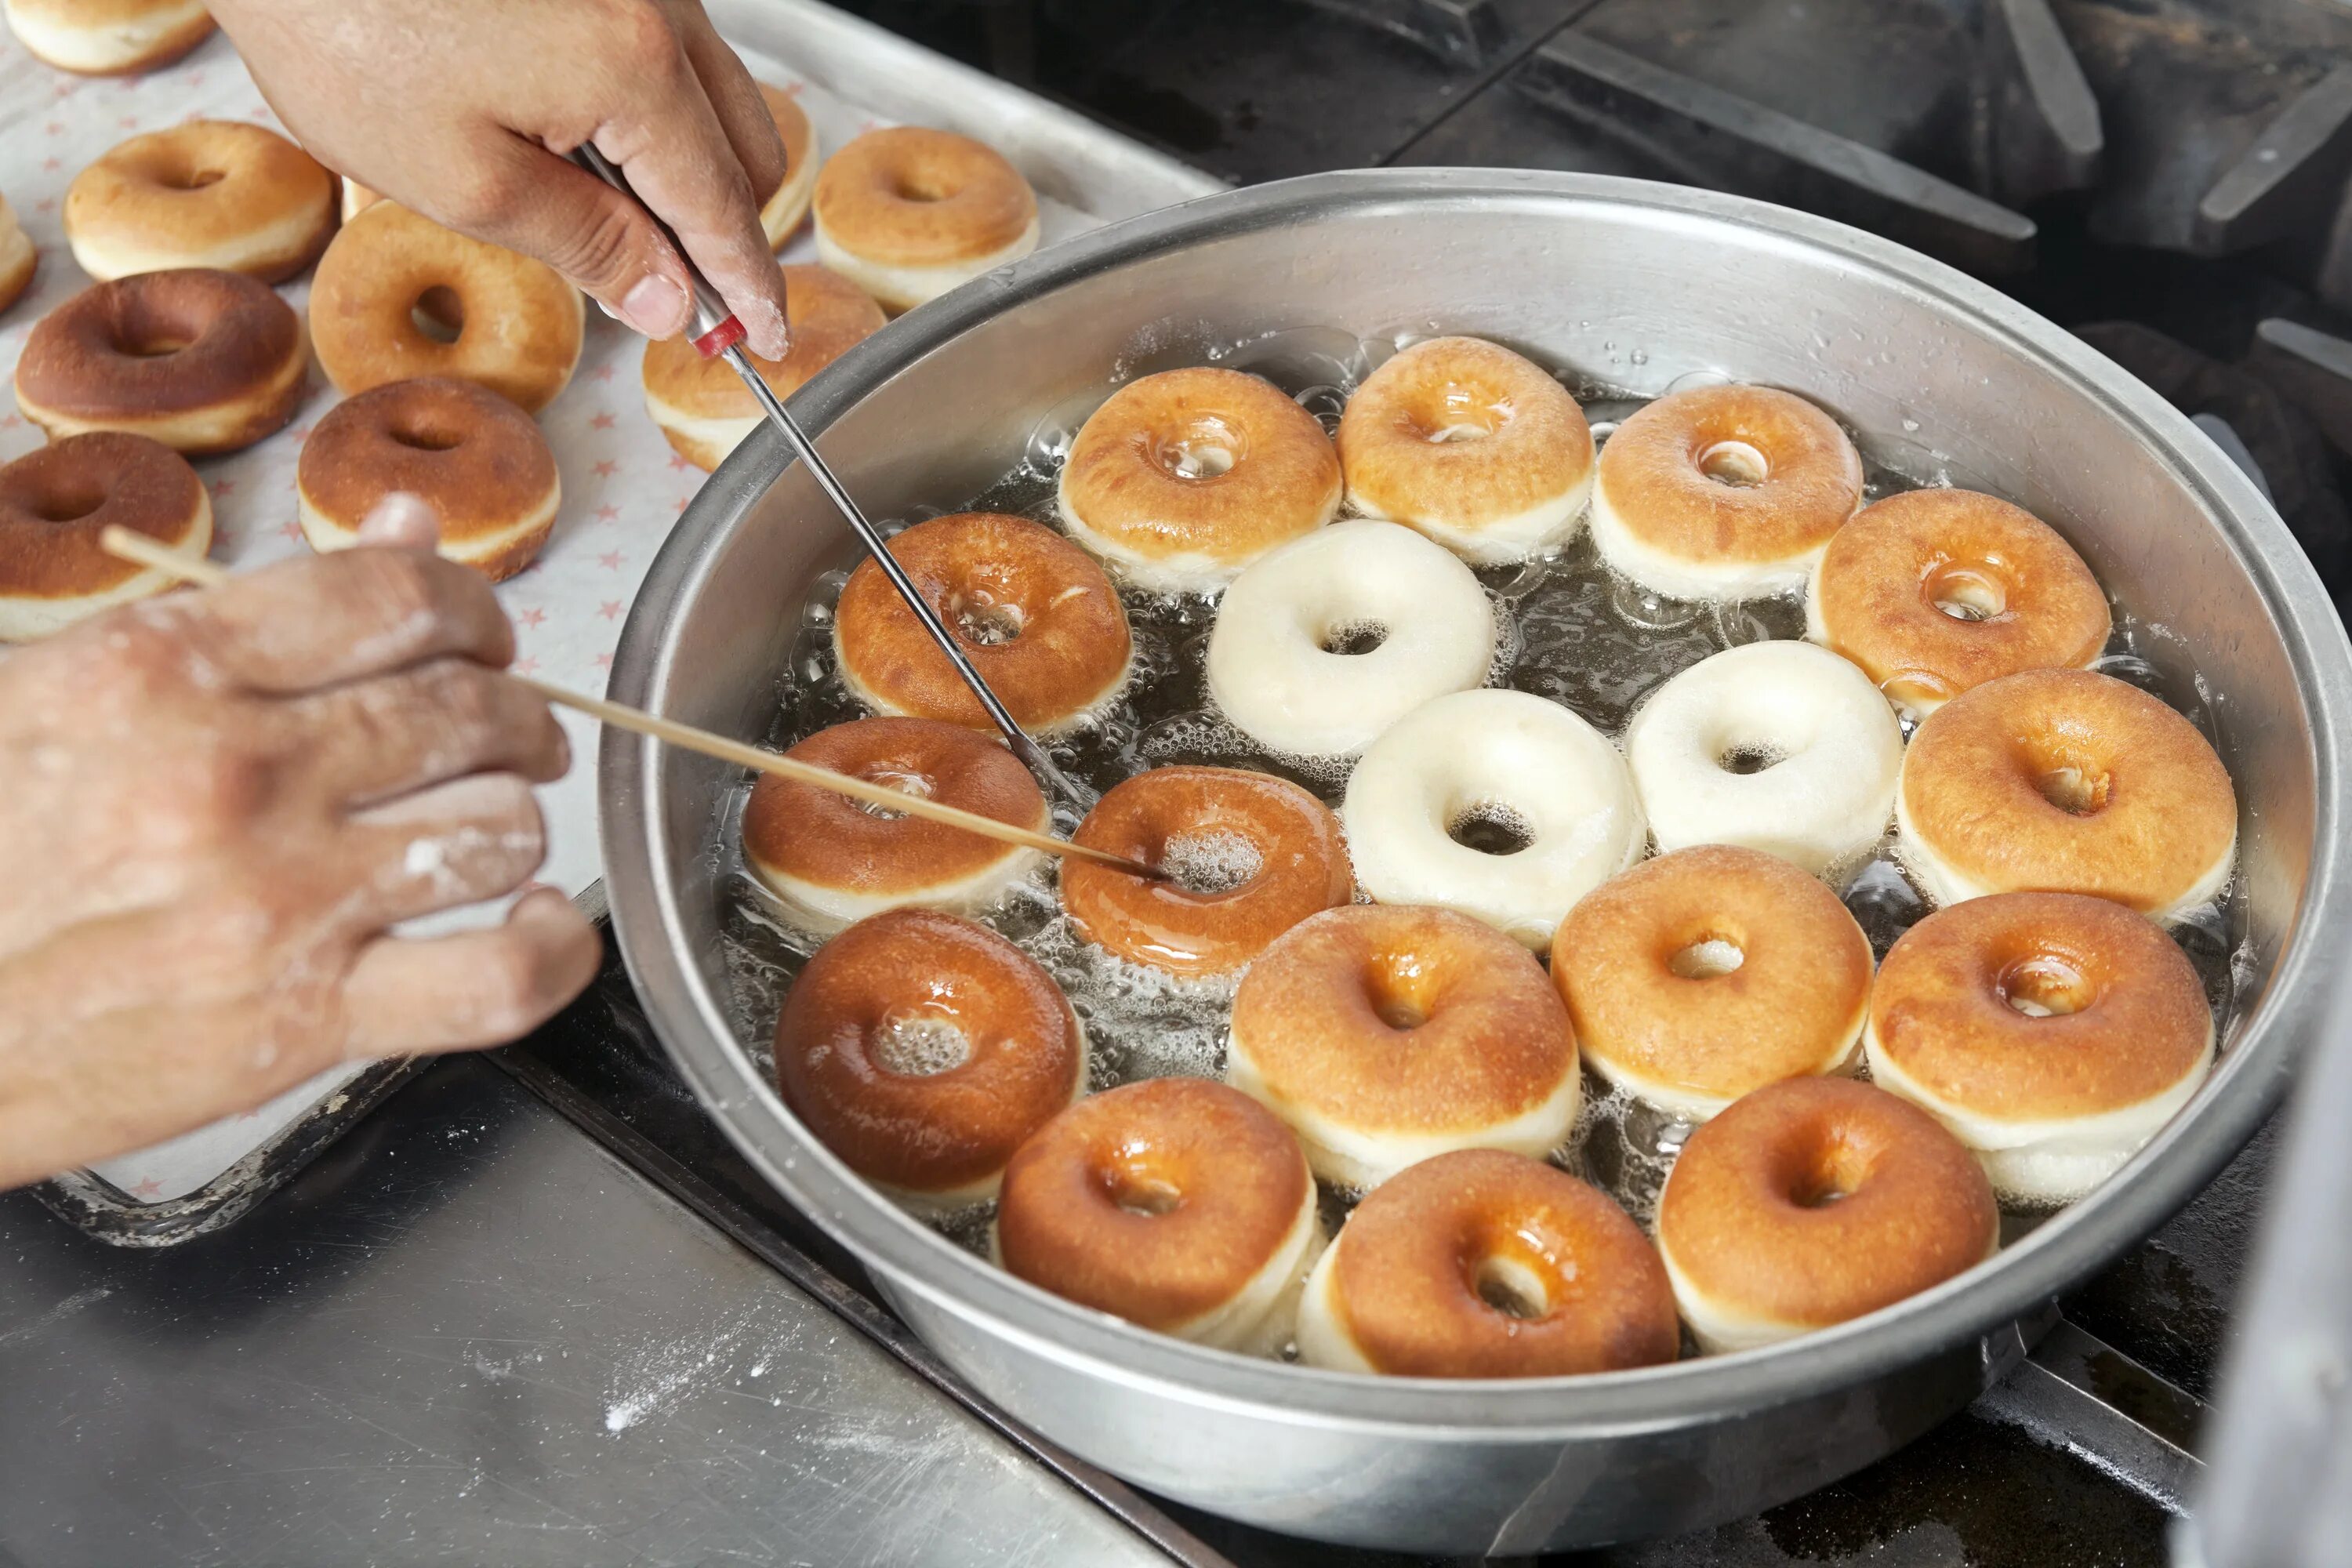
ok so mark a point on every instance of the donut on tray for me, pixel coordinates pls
(56, 501)
(208, 193)
(702, 405)
(107, 38)
(908, 214)
(19, 259)
(782, 213)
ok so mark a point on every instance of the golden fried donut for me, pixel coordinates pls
(1037, 618)
(1934, 592)
(2065, 781)
(1175, 1203)
(53, 503)
(107, 38)
(831, 860)
(1723, 492)
(200, 360)
(478, 461)
(1471, 444)
(207, 192)
(1814, 1200)
(908, 214)
(702, 405)
(1702, 975)
(1184, 478)
(923, 1050)
(517, 324)
(1385, 1034)
(18, 257)
(1250, 856)
(1483, 1264)
(782, 212)
(2053, 1033)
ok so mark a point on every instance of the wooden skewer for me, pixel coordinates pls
(145, 552)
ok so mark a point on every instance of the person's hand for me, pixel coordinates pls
(213, 804)
(451, 107)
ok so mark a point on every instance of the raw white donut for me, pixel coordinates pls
(1271, 668)
(1496, 754)
(1831, 749)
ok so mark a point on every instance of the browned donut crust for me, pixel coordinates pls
(478, 461)
(1795, 1004)
(1878, 592)
(990, 573)
(827, 315)
(207, 192)
(56, 501)
(2135, 1017)
(1747, 1215)
(1157, 1202)
(519, 323)
(176, 41)
(202, 361)
(928, 1133)
(782, 209)
(19, 259)
(1407, 1273)
(1653, 472)
(1301, 850)
(906, 196)
(812, 835)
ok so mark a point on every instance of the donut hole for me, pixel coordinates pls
(900, 779)
(1138, 1192)
(1834, 1174)
(1968, 591)
(2074, 788)
(2045, 986)
(421, 437)
(919, 1045)
(1750, 757)
(1209, 864)
(984, 619)
(1459, 412)
(1399, 989)
(438, 313)
(189, 176)
(76, 497)
(1735, 464)
(1509, 1286)
(1705, 959)
(1350, 639)
(1202, 449)
(921, 186)
(1490, 827)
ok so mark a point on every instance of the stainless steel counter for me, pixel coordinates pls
(468, 1335)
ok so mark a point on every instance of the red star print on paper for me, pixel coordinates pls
(11, 422)
(604, 661)
(45, 205)
(682, 502)
(677, 460)
(292, 531)
(609, 561)
(223, 487)
(610, 609)
(526, 666)
(532, 617)
(53, 163)
(603, 372)
(601, 421)
(300, 432)
(55, 128)
(607, 469)
(608, 513)
(148, 1188)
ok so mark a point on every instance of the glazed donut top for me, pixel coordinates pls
(829, 840)
(206, 185)
(159, 343)
(1934, 592)
(1156, 1202)
(908, 196)
(1461, 431)
(1201, 461)
(1401, 1018)
(480, 461)
(2125, 1016)
(1732, 473)
(1418, 1257)
(827, 315)
(884, 995)
(1818, 1199)
(1262, 854)
(988, 575)
(2069, 780)
(57, 499)
(1631, 960)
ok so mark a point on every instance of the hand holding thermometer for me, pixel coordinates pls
(717, 334)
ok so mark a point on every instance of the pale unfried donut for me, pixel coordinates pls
(2065, 781)
(1781, 746)
(208, 193)
(1484, 1264)
(1182, 478)
(107, 38)
(57, 499)
(1175, 1203)
(702, 403)
(1934, 592)
(1813, 1201)
(1471, 444)
(1530, 767)
(831, 860)
(782, 213)
(2053, 1033)
(1723, 492)
(1279, 661)
(908, 214)
(18, 257)
(1702, 975)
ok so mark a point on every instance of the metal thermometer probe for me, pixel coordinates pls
(717, 333)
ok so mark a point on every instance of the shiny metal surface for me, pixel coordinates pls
(1634, 284)
(468, 1335)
